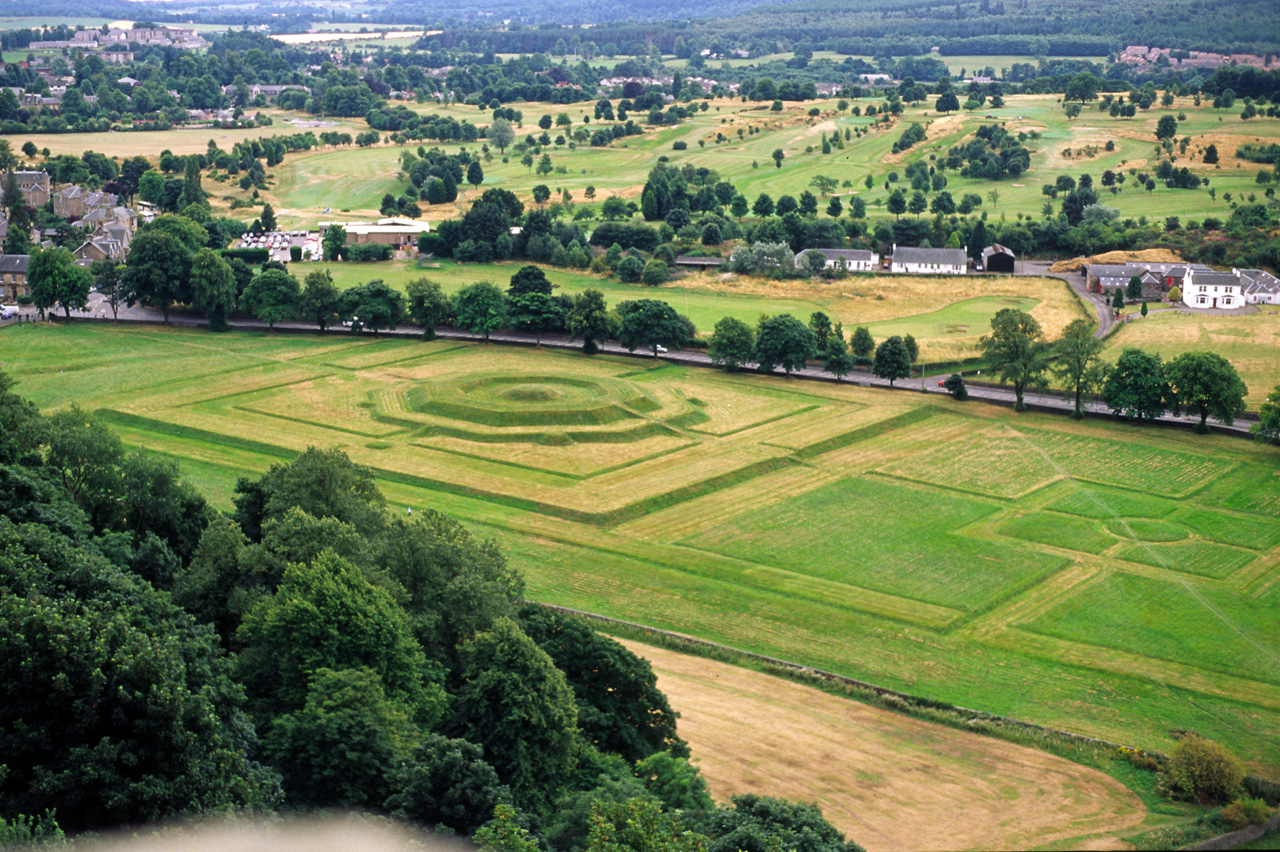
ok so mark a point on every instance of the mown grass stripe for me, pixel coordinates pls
(190, 433)
(872, 430)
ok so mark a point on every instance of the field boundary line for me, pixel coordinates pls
(904, 702)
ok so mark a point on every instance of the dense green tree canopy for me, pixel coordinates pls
(1078, 363)
(213, 288)
(272, 296)
(452, 584)
(447, 782)
(55, 279)
(114, 706)
(1136, 388)
(427, 305)
(732, 345)
(786, 342)
(345, 744)
(322, 483)
(1206, 383)
(620, 709)
(320, 301)
(892, 361)
(480, 308)
(588, 320)
(516, 705)
(158, 270)
(762, 824)
(1268, 426)
(649, 323)
(327, 614)
(373, 306)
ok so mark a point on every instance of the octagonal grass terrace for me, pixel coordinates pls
(1107, 579)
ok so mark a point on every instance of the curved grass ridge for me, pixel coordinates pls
(504, 400)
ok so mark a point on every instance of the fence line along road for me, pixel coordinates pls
(994, 395)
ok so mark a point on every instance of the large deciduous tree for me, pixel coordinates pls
(1016, 350)
(732, 344)
(500, 133)
(1078, 361)
(272, 297)
(1206, 383)
(786, 342)
(452, 584)
(529, 279)
(650, 323)
(893, 360)
(320, 301)
(327, 614)
(760, 823)
(373, 305)
(1136, 388)
(538, 313)
(115, 707)
(213, 288)
(428, 306)
(447, 782)
(158, 271)
(480, 308)
(344, 746)
(334, 243)
(862, 345)
(55, 279)
(836, 357)
(322, 483)
(588, 320)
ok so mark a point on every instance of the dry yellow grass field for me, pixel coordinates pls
(887, 781)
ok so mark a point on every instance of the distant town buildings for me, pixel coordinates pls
(93, 39)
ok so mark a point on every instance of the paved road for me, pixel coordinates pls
(693, 358)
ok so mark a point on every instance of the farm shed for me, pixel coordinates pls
(998, 258)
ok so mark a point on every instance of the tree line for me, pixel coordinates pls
(313, 649)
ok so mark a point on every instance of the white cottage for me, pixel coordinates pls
(930, 261)
(1212, 290)
(850, 260)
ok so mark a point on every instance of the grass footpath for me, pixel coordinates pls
(908, 541)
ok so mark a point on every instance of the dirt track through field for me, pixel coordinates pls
(887, 781)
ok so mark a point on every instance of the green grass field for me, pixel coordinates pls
(1104, 579)
(1064, 148)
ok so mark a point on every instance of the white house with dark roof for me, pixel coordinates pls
(929, 261)
(1209, 289)
(1260, 288)
(850, 260)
